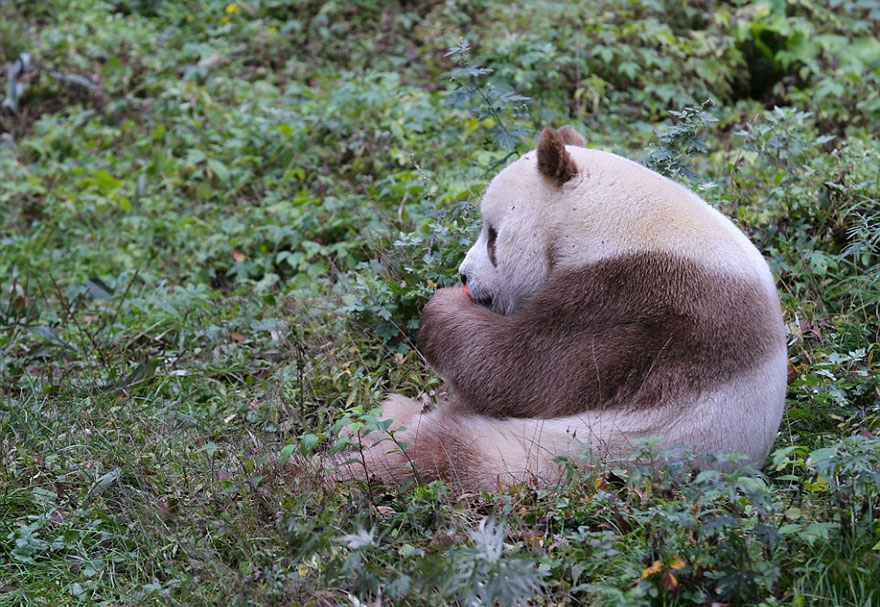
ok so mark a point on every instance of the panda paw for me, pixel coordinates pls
(446, 326)
(454, 296)
(447, 305)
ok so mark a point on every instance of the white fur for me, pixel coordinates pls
(743, 418)
(611, 208)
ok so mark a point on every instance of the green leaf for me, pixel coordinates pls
(799, 47)
(629, 69)
(286, 451)
(210, 449)
(194, 156)
(112, 66)
(47, 333)
(787, 477)
(98, 289)
(105, 480)
(141, 372)
(105, 181)
(821, 455)
(219, 169)
(308, 442)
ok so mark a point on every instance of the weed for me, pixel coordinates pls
(219, 254)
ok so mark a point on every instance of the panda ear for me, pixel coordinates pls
(554, 161)
(572, 137)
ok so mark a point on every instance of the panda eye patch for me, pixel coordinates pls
(490, 244)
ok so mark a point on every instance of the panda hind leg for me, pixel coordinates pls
(380, 454)
(400, 409)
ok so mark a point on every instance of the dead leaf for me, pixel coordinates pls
(669, 582)
(655, 568)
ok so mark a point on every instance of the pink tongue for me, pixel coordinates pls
(467, 291)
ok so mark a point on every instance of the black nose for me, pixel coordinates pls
(463, 279)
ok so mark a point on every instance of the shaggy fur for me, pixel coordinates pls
(572, 137)
(641, 331)
(609, 304)
(554, 160)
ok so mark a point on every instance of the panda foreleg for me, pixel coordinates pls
(496, 365)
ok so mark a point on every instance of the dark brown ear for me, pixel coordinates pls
(554, 160)
(572, 137)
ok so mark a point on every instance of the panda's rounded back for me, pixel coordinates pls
(611, 208)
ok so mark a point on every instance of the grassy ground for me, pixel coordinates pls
(219, 224)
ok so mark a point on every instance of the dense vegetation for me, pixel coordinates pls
(219, 224)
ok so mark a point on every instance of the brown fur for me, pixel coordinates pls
(554, 161)
(490, 245)
(572, 137)
(634, 332)
(550, 256)
(438, 450)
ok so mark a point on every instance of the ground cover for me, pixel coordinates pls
(219, 224)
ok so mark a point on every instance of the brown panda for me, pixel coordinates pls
(606, 303)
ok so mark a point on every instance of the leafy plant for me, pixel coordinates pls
(503, 111)
(484, 573)
(676, 145)
(221, 254)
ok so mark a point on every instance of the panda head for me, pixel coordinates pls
(514, 253)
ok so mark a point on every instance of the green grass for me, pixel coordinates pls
(222, 249)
